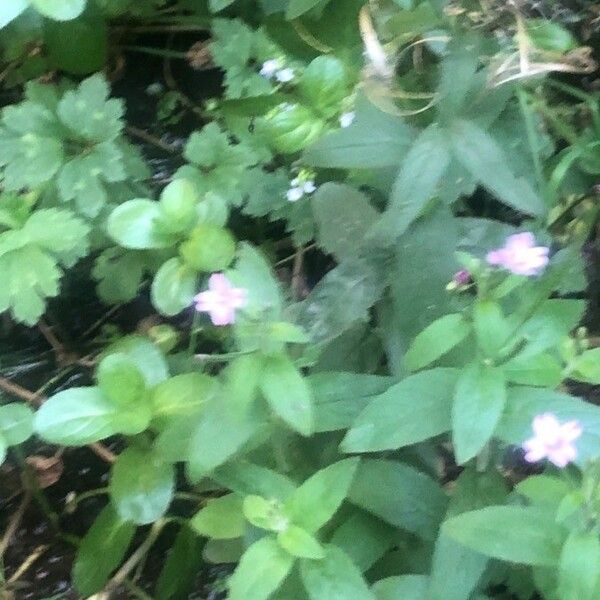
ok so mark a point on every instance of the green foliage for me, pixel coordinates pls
(349, 183)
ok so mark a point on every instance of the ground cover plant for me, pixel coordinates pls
(314, 288)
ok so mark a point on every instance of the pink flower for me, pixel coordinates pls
(462, 277)
(221, 300)
(520, 255)
(552, 440)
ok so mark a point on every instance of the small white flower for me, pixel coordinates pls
(269, 67)
(347, 119)
(284, 75)
(294, 194)
(295, 182)
(309, 187)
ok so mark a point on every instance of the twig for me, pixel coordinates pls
(14, 523)
(297, 273)
(26, 564)
(121, 575)
(150, 139)
(293, 256)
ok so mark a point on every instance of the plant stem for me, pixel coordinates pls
(532, 139)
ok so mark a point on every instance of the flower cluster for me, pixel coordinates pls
(275, 69)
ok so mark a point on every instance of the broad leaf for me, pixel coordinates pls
(393, 419)
(101, 551)
(287, 393)
(260, 571)
(399, 495)
(407, 587)
(173, 287)
(299, 543)
(511, 533)
(141, 486)
(479, 400)
(335, 577)
(222, 518)
(16, 423)
(315, 502)
(435, 340)
(579, 568)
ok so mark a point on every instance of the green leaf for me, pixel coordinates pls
(11, 9)
(510, 533)
(181, 567)
(407, 587)
(334, 578)
(208, 248)
(343, 216)
(260, 571)
(298, 542)
(141, 486)
(544, 490)
(579, 567)
(491, 328)
(60, 10)
(178, 206)
(541, 370)
(435, 340)
(339, 397)
(479, 400)
(299, 7)
(88, 112)
(316, 501)
(119, 274)
(290, 128)
(374, 140)
(145, 355)
(399, 495)
(587, 367)
(550, 36)
(173, 287)
(220, 433)
(323, 84)
(16, 423)
(136, 225)
(477, 151)
(222, 518)
(422, 169)
(101, 551)
(30, 152)
(217, 5)
(393, 419)
(85, 415)
(376, 538)
(183, 395)
(120, 379)
(287, 393)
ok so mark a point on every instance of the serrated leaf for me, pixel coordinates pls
(477, 151)
(260, 571)
(343, 216)
(89, 113)
(435, 340)
(422, 169)
(144, 498)
(101, 551)
(374, 140)
(479, 401)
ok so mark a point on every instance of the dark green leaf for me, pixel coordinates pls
(479, 400)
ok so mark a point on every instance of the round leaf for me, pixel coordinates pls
(173, 287)
(120, 379)
(183, 394)
(178, 205)
(16, 423)
(59, 10)
(209, 248)
(141, 487)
